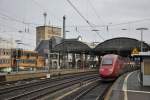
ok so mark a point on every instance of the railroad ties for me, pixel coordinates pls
(61, 88)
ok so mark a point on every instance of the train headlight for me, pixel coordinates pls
(110, 70)
(101, 69)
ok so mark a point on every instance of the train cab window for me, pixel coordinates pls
(107, 61)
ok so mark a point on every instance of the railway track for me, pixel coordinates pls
(38, 89)
(94, 91)
(7, 84)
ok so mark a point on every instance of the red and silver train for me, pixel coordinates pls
(113, 65)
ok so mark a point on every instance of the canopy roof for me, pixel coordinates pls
(120, 44)
(72, 45)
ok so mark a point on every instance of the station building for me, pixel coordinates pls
(73, 53)
(67, 53)
(20, 60)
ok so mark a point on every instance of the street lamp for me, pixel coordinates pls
(142, 29)
(124, 29)
(67, 31)
(96, 30)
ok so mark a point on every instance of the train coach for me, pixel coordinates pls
(113, 65)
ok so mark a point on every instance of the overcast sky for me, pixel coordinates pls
(117, 14)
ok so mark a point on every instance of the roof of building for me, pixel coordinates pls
(72, 45)
(49, 27)
(120, 44)
(59, 44)
(44, 45)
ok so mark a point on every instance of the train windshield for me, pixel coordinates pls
(107, 61)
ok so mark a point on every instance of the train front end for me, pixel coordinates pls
(106, 70)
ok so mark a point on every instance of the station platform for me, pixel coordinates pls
(128, 87)
(14, 76)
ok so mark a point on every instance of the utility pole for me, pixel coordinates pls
(64, 26)
(142, 29)
(64, 36)
(49, 55)
(45, 15)
(49, 58)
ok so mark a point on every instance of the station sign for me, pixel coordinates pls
(135, 51)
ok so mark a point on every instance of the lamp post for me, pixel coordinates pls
(142, 29)
(18, 59)
(95, 30)
(49, 55)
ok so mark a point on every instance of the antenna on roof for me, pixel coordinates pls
(45, 15)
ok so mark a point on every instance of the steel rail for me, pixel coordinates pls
(98, 88)
(32, 95)
(40, 82)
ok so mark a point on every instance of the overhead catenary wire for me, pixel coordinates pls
(118, 24)
(94, 10)
(45, 9)
(84, 18)
(10, 34)
(8, 26)
(10, 18)
(131, 22)
(7, 17)
(23, 43)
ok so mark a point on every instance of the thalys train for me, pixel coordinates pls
(113, 65)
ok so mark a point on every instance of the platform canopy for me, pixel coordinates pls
(121, 45)
(73, 46)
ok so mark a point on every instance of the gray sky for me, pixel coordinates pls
(97, 12)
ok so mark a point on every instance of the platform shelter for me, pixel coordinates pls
(120, 45)
(145, 67)
(74, 54)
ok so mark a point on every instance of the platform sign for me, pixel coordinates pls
(135, 51)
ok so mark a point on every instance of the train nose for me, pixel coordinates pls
(105, 72)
